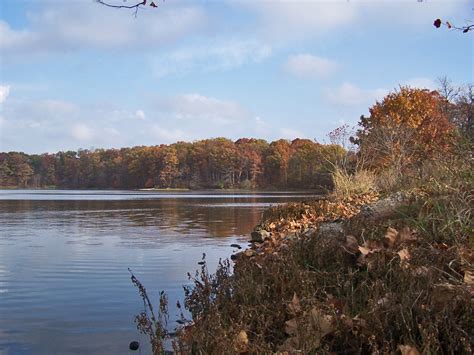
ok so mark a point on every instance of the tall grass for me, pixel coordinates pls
(346, 184)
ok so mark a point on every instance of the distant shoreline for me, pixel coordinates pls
(230, 190)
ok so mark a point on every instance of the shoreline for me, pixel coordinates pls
(250, 191)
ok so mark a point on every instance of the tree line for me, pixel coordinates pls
(404, 131)
(210, 163)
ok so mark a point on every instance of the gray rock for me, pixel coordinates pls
(309, 232)
(384, 207)
(259, 236)
(333, 229)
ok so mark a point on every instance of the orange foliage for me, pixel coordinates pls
(407, 127)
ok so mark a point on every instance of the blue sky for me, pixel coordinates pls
(74, 74)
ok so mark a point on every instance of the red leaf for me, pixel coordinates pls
(437, 23)
(448, 24)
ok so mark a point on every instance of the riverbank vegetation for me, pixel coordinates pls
(384, 264)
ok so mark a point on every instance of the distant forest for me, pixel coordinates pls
(211, 163)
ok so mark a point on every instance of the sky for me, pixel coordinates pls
(77, 75)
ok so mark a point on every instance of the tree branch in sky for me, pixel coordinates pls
(465, 29)
(135, 6)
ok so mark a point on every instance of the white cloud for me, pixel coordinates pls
(351, 95)
(422, 83)
(15, 40)
(409, 12)
(310, 66)
(112, 132)
(196, 107)
(57, 107)
(4, 92)
(168, 135)
(210, 57)
(82, 132)
(140, 114)
(290, 133)
(290, 19)
(74, 26)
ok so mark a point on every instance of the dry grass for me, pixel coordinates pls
(347, 184)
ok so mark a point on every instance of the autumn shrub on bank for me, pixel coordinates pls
(379, 290)
(402, 281)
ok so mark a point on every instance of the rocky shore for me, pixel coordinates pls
(357, 275)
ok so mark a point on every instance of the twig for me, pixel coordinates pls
(136, 6)
(465, 29)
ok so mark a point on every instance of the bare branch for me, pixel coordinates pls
(136, 6)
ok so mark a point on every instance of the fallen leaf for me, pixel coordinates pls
(294, 307)
(242, 341)
(404, 255)
(291, 326)
(374, 245)
(469, 277)
(408, 350)
(407, 235)
(443, 294)
(391, 237)
(351, 244)
(359, 322)
(323, 322)
(364, 250)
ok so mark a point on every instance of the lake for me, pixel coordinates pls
(64, 255)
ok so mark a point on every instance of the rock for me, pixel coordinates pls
(246, 253)
(249, 253)
(259, 236)
(332, 229)
(309, 232)
(383, 208)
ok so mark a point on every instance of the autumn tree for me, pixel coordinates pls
(276, 163)
(458, 105)
(6, 172)
(250, 163)
(305, 161)
(169, 164)
(405, 128)
(21, 169)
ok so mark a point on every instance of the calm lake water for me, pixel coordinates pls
(64, 284)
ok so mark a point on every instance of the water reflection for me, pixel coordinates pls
(64, 284)
(231, 216)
